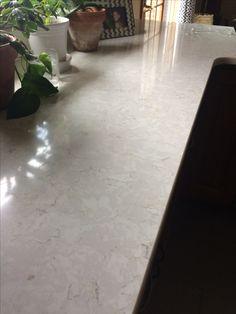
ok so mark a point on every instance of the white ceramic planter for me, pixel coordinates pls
(55, 38)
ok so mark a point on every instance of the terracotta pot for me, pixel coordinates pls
(86, 28)
(7, 73)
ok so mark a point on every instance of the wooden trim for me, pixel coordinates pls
(143, 10)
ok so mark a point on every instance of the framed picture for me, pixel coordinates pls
(120, 18)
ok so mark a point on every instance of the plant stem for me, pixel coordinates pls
(18, 74)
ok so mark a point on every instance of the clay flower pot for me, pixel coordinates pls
(7, 73)
(86, 28)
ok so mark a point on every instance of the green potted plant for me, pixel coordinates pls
(12, 15)
(20, 15)
(26, 100)
(86, 24)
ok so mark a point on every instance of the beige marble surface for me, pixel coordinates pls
(84, 182)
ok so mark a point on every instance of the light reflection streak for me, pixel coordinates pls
(43, 153)
(6, 186)
(34, 163)
(12, 182)
(29, 174)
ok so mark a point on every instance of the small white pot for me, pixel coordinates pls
(55, 38)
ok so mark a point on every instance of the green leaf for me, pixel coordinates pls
(36, 68)
(6, 11)
(28, 3)
(32, 26)
(22, 104)
(21, 48)
(38, 85)
(46, 60)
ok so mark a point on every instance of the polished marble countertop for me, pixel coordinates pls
(85, 181)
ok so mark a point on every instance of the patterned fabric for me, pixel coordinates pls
(187, 10)
(127, 26)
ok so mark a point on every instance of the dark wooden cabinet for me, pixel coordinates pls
(214, 7)
(192, 267)
(224, 11)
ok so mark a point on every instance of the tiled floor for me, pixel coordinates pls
(84, 182)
